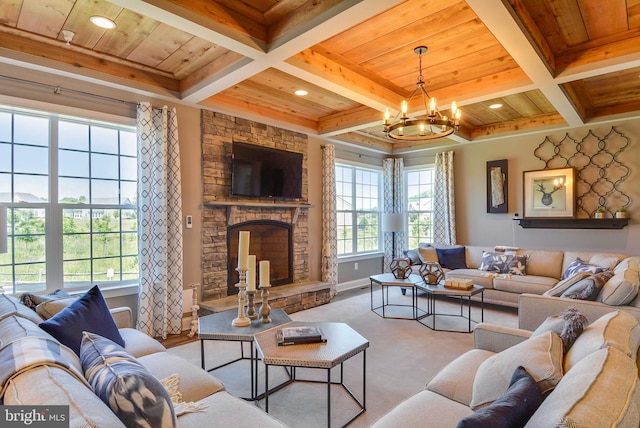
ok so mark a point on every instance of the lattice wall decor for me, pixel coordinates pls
(599, 169)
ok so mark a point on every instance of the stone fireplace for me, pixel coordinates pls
(279, 228)
(269, 240)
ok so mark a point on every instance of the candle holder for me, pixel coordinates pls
(241, 320)
(265, 309)
(251, 307)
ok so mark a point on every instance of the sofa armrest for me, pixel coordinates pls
(497, 338)
(122, 316)
(534, 309)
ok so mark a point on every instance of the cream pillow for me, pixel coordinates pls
(565, 284)
(623, 287)
(428, 254)
(602, 390)
(601, 260)
(616, 329)
(541, 356)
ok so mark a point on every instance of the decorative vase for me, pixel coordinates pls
(621, 214)
(599, 215)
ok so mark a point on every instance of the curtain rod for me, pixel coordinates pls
(58, 90)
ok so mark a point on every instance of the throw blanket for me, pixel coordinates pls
(33, 351)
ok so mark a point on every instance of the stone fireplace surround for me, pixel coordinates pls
(221, 210)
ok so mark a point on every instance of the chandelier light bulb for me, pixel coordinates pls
(432, 106)
(422, 129)
(387, 116)
(404, 107)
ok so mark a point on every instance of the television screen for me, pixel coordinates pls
(263, 171)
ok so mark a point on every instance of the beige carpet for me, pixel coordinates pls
(403, 355)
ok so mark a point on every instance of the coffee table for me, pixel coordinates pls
(440, 290)
(386, 280)
(217, 326)
(342, 343)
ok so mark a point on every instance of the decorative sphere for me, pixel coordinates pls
(401, 268)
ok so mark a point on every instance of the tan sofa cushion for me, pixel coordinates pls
(139, 344)
(541, 356)
(422, 410)
(623, 287)
(53, 386)
(455, 380)
(544, 263)
(617, 329)
(524, 283)
(600, 391)
(195, 383)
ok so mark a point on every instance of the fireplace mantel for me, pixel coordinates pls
(233, 205)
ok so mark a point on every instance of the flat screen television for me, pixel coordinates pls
(265, 172)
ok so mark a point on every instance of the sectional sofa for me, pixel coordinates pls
(543, 269)
(56, 377)
(592, 384)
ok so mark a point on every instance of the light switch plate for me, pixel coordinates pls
(189, 222)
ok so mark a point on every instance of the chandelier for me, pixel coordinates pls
(428, 127)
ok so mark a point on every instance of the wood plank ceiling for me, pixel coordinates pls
(550, 63)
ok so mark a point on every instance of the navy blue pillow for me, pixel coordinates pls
(88, 313)
(513, 409)
(452, 258)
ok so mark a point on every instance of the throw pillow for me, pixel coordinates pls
(568, 325)
(579, 265)
(452, 258)
(427, 253)
(616, 329)
(588, 288)
(517, 264)
(32, 300)
(413, 256)
(136, 397)
(88, 313)
(541, 356)
(513, 409)
(565, 284)
(623, 287)
(493, 262)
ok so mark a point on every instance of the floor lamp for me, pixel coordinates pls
(3, 229)
(393, 222)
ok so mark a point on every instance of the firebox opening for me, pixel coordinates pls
(269, 240)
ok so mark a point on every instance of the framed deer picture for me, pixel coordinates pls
(549, 193)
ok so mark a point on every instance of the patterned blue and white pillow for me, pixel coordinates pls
(503, 263)
(579, 265)
(134, 395)
(517, 264)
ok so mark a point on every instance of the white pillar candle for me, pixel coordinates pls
(251, 275)
(264, 273)
(243, 250)
(327, 249)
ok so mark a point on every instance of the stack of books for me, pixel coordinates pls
(299, 335)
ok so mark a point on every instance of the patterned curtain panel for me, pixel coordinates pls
(329, 218)
(393, 202)
(159, 222)
(444, 206)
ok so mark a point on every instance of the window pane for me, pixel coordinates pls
(104, 140)
(106, 244)
(128, 168)
(129, 243)
(31, 130)
(104, 166)
(5, 188)
(76, 246)
(128, 193)
(5, 127)
(73, 136)
(77, 271)
(128, 143)
(73, 190)
(104, 192)
(5, 157)
(28, 159)
(106, 269)
(31, 188)
(73, 164)
(105, 220)
(30, 277)
(129, 268)
(6, 278)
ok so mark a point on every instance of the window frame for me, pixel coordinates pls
(54, 208)
(356, 213)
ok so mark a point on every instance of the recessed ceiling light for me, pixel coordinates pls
(301, 92)
(103, 22)
(496, 105)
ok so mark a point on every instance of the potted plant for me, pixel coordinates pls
(599, 213)
(621, 213)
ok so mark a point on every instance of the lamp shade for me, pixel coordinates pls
(392, 222)
(3, 229)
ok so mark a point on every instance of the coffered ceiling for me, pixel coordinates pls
(550, 63)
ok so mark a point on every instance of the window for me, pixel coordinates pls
(358, 193)
(419, 193)
(70, 188)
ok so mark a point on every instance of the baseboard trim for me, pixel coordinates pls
(350, 285)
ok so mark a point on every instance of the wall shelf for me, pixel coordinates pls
(573, 223)
(232, 206)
